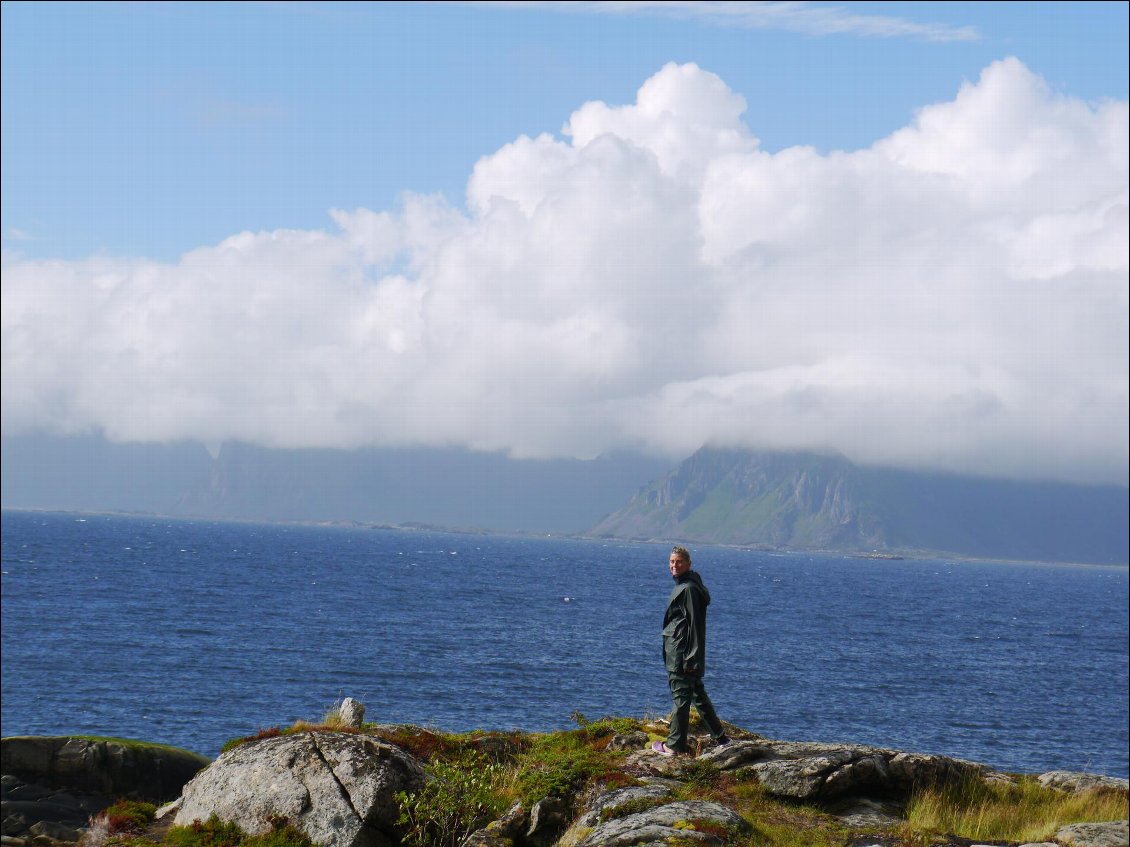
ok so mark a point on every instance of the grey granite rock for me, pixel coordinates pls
(338, 788)
(351, 712)
(816, 771)
(1112, 834)
(661, 824)
(1074, 781)
(52, 785)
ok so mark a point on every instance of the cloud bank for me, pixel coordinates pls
(953, 297)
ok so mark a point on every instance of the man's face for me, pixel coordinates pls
(678, 565)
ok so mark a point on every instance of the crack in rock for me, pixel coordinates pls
(344, 793)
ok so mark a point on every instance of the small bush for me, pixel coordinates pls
(700, 775)
(559, 765)
(459, 797)
(128, 816)
(424, 744)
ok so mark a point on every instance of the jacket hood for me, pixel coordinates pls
(692, 576)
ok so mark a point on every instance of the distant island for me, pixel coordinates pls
(756, 499)
(806, 501)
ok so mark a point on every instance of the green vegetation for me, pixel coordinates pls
(127, 816)
(474, 778)
(460, 796)
(135, 744)
(1026, 811)
(216, 833)
(274, 732)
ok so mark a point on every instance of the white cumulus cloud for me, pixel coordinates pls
(954, 296)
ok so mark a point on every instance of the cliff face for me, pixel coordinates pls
(807, 501)
(729, 497)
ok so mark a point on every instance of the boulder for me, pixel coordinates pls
(628, 741)
(507, 831)
(1113, 834)
(488, 837)
(615, 803)
(547, 820)
(351, 712)
(815, 771)
(694, 821)
(338, 788)
(52, 786)
(109, 767)
(1073, 781)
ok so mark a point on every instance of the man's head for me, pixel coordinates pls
(680, 561)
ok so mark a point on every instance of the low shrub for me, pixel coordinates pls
(128, 816)
(459, 796)
(561, 764)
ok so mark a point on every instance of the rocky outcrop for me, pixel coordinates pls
(692, 821)
(340, 788)
(1114, 834)
(810, 771)
(1075, 782)
(337, 787)
(51, 786)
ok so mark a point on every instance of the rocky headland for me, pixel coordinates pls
(345, 783)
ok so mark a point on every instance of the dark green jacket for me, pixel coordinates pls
(684, 626)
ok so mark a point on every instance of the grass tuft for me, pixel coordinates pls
(216, 833)
(1026, 811)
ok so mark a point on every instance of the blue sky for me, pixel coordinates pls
(151, 129)
(898, 231)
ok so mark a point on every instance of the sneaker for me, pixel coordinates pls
(662, 749)
(724, 740)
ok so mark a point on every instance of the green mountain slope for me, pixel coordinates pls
(807, 501)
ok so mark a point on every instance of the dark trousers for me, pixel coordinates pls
(686, 690)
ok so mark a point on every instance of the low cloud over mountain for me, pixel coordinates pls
(952, 297)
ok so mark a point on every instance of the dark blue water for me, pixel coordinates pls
(192, 633)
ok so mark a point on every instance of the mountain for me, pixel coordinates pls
(802, 501)
(442, 487)
(790, 501)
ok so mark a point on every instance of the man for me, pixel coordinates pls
(684, 655)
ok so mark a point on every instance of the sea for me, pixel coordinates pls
(194, 632)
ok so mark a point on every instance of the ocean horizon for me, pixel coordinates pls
(192, 632)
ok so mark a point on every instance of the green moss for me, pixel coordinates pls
(632, 807)
(135, 744)
(210, 833)
(217, 833)
(281, 835)
(560, 764)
